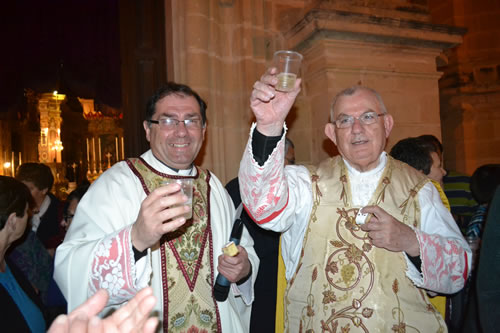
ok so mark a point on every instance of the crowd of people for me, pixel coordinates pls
(363, 241)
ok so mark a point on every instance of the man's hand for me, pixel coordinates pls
(235, 268)
(388, 233)
(132, 317)
(270, 106)
(158, 216)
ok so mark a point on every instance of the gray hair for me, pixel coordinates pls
(351, 91)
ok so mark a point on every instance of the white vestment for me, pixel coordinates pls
(101, 228)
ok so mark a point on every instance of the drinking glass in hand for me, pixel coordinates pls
(288, 65)
(187, 189)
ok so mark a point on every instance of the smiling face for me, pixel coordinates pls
(361, 145)
(179, 146)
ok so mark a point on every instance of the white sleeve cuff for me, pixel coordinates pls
(245, 290)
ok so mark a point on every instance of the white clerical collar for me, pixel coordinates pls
(364, 184)
(162, 167)
(382, 160)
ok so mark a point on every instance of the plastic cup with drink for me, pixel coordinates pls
(288, 65)
(187, 189)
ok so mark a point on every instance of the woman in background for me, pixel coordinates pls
(21, 308)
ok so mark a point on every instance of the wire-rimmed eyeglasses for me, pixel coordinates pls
(367, 118)
(172, 123)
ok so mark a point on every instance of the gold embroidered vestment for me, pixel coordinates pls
(345, 284)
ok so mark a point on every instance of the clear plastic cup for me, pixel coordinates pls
(187, 189)
(288, 65)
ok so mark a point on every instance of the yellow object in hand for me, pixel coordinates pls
(230, 249)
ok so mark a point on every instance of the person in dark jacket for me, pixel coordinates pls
(34, 251)
(48, 210)
(487, 283)
(20, 309)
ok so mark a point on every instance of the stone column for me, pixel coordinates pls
(219, 48)
(395, 56)
(470, 87)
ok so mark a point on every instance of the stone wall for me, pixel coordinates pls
(470, 87)
(222, 47)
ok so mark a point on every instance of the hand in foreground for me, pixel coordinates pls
(270, 106)
(132, 317)
(234, 268)
(388, 233)
(158, 216)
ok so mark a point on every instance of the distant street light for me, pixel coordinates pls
(6, 166)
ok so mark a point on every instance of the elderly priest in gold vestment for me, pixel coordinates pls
(365, 237)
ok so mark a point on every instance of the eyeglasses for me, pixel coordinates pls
(171, 123)
(367, 118)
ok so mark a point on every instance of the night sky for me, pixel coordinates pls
(69, 45)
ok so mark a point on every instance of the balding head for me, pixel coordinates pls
(360, 143)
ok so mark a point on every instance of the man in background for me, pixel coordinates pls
(456, 186)
(423, 156)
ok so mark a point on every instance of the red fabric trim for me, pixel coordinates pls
(164, 284)
(270, 217)
(191, 283)
(100, 267)
(130, 163)
(207, 237)
(466, 271)
(165, 174)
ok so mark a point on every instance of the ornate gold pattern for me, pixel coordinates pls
(186, 254)
(345, 281)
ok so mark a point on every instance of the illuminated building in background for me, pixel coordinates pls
(50, 144)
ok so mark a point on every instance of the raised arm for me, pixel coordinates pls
(271, 106)
(98, 249)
